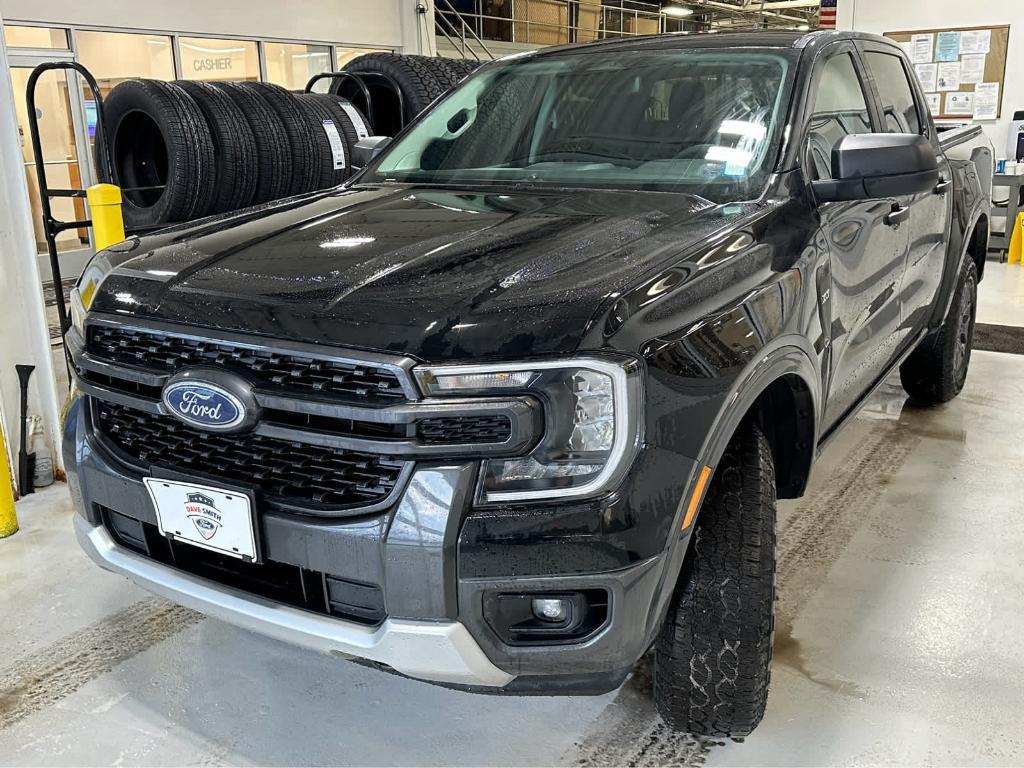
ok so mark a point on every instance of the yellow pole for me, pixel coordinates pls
(1016, 241)
(8, 519)
(105, 212)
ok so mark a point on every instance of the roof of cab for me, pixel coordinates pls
(755, 38)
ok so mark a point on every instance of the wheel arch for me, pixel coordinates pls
(782, 392)
(782, 383)
(978, 243)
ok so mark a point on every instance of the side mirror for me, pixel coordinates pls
(868, 166)
(366, 149)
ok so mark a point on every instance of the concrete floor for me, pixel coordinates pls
(900, 618)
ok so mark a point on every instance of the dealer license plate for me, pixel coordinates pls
(211, 518)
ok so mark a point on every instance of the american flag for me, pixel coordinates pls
(827, 14)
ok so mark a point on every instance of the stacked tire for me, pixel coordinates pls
(183, 150)
(400, 87)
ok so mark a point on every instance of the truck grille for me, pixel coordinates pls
(292, 474)
(452, 430)
(159, 352)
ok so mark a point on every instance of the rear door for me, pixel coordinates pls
(867, 248)
(902, 109)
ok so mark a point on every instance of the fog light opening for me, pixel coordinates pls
(546, 618)
(553, 609)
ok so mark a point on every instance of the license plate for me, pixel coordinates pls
(211, 518)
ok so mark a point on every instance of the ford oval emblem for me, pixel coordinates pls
(204, 405)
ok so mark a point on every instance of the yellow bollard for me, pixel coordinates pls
(8, 519)
(105, 212)
(1016, 252)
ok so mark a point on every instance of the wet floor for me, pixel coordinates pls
(900, 618)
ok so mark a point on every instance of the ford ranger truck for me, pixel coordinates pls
(512, 408)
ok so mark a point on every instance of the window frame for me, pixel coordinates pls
(867, 87)
(924, 116)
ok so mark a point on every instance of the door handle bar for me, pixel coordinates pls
(943, 186)
(900, 213)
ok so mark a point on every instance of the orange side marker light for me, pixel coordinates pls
(698, 494)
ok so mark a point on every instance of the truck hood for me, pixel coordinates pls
(434, 274)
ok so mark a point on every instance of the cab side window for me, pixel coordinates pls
(840, 109)
(898, 104)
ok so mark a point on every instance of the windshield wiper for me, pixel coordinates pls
(573, 156)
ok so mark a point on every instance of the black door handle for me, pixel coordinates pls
(900, 213)
(943, 186)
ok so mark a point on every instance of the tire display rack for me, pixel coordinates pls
(52, 227)
(228, 145)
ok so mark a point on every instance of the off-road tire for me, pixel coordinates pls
(416, 80)
(446, 75)
(234, 146)
(713, 655)
(273, 154)
(464, 67)
(158, 137)
(300, 139)
(936, 371)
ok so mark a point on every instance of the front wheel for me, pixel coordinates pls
(713, 655)
(936, 371)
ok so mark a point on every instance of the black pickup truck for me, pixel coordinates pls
(513, 407)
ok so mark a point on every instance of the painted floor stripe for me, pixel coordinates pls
(39, 680)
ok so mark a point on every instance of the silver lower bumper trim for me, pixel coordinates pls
(442, 652)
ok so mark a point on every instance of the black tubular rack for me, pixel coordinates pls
(361, 79)
(51, 226)
(104, 174)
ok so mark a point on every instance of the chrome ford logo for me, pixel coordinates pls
(204, 404)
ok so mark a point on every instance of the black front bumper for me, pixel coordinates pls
(433, 558)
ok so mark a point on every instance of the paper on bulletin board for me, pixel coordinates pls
(972, 69)
(908, 48)
(949, 76)
(923, 45)
(928, 74)
(947, 46)
(978, 41)
(934, 101)
(986, 101)
(958, 103)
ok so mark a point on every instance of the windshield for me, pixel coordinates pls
(705, 122)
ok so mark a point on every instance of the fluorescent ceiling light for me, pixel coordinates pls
(676, 10)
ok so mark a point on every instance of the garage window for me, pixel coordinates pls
(204, 58)
(116, 56)
(16, 36)
(292, 64)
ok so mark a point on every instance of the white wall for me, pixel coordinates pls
(881, 16)
(24, 336)
(389, 23)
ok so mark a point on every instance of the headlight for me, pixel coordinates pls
(592, 425)
(85, 289)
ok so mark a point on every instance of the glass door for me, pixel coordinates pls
(64, 128)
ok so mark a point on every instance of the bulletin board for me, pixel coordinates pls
(962, 69)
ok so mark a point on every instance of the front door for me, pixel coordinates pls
(867, 248)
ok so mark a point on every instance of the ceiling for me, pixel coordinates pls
(785, 14)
